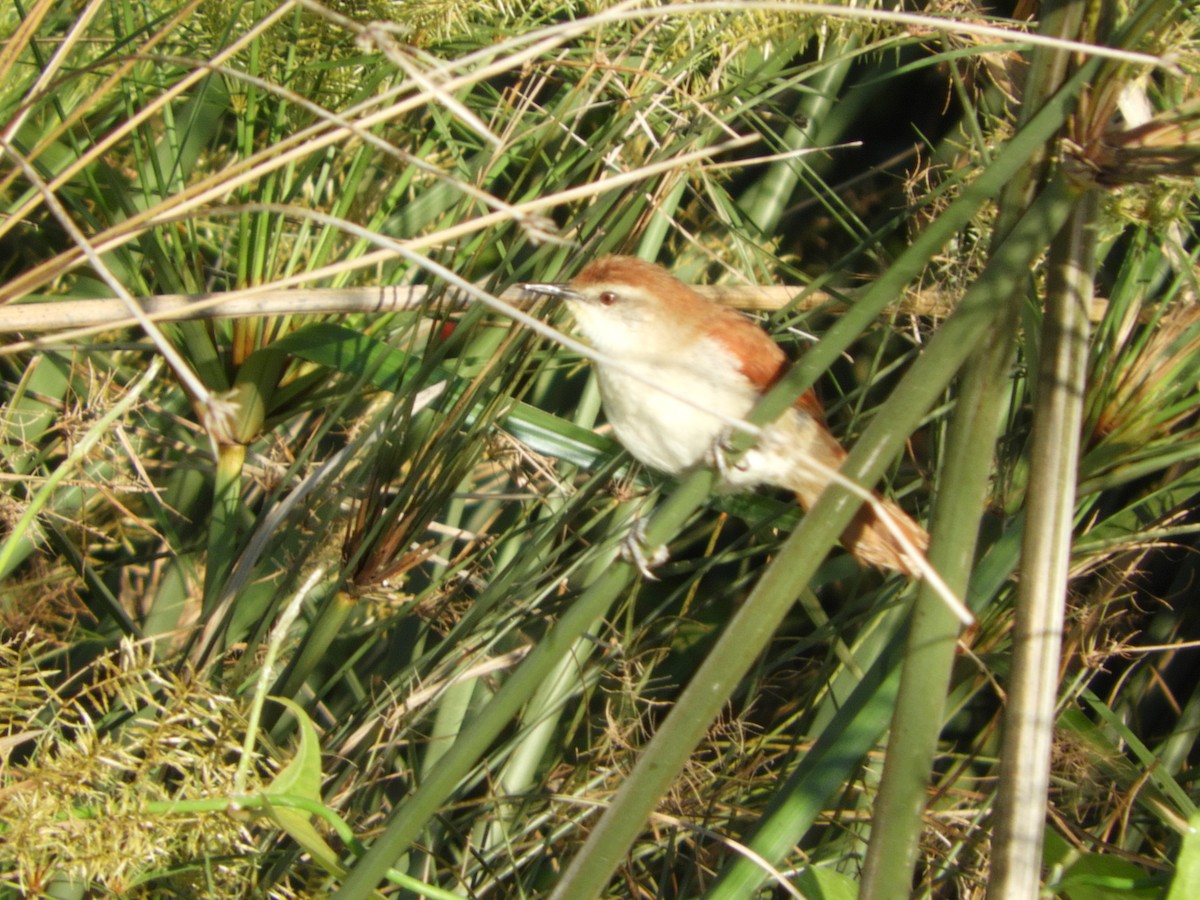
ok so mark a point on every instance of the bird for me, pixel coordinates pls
(660, 343)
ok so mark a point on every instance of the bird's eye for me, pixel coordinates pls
(607, 298)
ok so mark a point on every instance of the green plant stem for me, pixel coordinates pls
(226, 511)
(765, 202)
(315, 644)
(540, 720)
(929, 655)
(1046, 557)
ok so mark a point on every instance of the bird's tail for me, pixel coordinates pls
(881, 534)
(874, 542)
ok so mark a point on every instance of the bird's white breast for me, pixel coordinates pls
(660, 429)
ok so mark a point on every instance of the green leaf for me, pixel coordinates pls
(1096, 876)
(826, 884)
(302, 777)
(1186, 883)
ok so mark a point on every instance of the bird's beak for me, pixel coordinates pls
(546, 289)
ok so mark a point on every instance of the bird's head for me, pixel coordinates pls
(621, 302)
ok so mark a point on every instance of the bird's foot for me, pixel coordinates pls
(735, 470)
(634, 550)
(719, 457)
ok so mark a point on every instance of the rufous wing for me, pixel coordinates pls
(761, 360)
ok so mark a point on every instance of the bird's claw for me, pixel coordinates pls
(633, 549)
(718, 455)
(737, 472)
